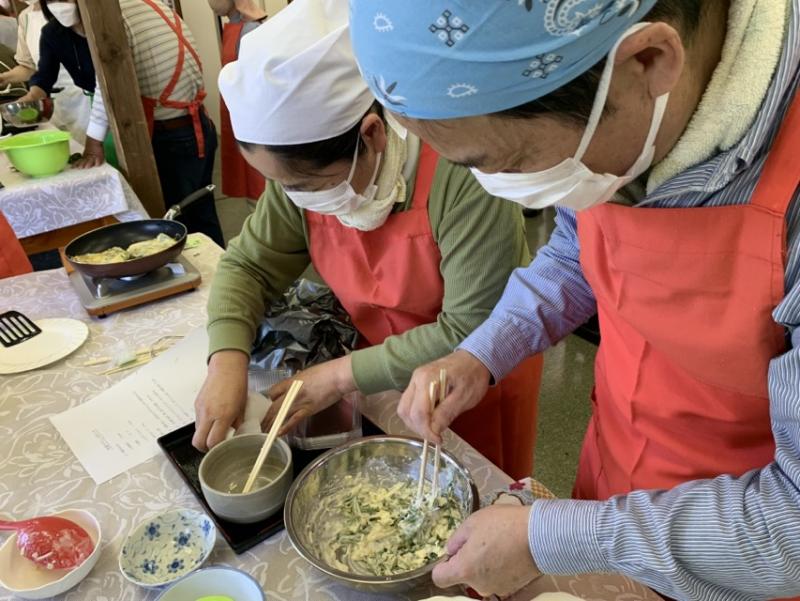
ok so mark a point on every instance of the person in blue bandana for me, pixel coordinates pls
(666, 134)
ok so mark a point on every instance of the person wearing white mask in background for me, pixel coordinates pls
(666, 134)
(411, 245)
(239, 179)
(71, 109)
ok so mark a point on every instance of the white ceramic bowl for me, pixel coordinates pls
(26, 580)
(214, 581)
(166, 547)
(229, 463)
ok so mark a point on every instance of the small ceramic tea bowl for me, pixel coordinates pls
(224, 471)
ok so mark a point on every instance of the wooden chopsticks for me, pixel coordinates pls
(434, 387)
(438, 455)
(294, 389)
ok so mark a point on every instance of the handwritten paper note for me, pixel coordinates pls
(117, 430)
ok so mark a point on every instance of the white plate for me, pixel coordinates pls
(542, 597)
(59, 338)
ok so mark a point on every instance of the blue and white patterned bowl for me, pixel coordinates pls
(166, 547)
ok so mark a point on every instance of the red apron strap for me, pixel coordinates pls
(194, 107)
(781, 175)
(149, 105)
(176, 27)
(426, 170)
(230, 41)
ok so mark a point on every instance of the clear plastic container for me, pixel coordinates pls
(330, 427)
(261, 380)
(327, 429)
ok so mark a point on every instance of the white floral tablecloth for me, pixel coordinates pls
(34, 206)
(39, 474)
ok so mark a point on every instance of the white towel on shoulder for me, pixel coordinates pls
(730, 104)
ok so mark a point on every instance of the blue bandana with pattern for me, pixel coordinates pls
(441, 59)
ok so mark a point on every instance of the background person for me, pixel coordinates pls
(170, 80)
(69, 88)
(239, 179)
(8, 25)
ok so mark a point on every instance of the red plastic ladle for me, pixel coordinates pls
(52, 542)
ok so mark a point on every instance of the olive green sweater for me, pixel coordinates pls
(481, 240)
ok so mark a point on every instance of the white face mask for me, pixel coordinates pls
(340, 200)
(65, 13)
(571, 183)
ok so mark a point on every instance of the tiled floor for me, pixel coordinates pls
(564, 406)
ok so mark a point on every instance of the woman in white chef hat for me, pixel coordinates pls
(414, 249)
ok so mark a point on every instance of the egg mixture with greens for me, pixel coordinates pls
(371, 529)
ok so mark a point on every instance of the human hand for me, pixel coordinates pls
(222, 400)
(323, 385)
(467, 383)
(93, 154)
(489, 553)
(34, 93)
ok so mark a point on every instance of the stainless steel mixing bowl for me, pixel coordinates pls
(26, 114)
(397, 452)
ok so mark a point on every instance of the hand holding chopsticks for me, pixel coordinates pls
(273, 434)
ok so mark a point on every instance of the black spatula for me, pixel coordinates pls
(15, 328)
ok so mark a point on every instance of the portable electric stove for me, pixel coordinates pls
(104, 296)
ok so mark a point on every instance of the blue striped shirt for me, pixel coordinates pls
(727, 538)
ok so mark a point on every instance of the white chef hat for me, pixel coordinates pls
(296, 79)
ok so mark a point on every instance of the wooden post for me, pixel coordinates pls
(113, 63)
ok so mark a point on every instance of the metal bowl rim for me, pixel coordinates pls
(358, 578)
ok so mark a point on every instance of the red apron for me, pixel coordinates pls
(389, 282)
(685, 299)
(13, 260)
(195, 107)
(239, 179)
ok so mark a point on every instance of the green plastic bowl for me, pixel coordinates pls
(38, 153)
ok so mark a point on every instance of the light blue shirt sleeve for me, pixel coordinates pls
(541, 304)
(732, 539)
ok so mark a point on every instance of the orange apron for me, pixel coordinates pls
(239, 179)
(195, 106)
(685, 300)
(389, 282)
(13, 260)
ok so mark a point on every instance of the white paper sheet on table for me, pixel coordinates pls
(117, 430)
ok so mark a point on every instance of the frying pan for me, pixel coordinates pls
(125, 234)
